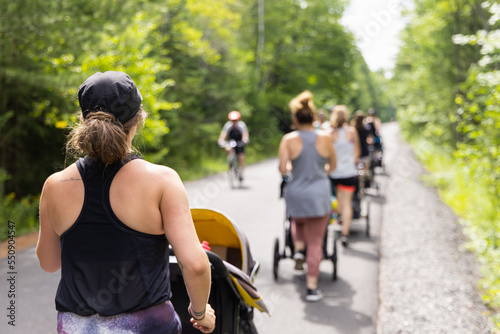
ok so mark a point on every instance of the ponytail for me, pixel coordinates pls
(302, 108)
(101, 137)
(339, 116)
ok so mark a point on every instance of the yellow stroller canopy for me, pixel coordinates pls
(230, 245)
(224, 238)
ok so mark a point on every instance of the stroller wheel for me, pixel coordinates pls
(276, 258)
(334, 259)
(368, 221)
(246, 325)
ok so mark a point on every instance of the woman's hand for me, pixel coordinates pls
(207, 322)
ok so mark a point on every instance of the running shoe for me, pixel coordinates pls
(344, 240)
(299, 258)
(314, 295)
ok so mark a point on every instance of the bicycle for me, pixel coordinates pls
(235, 175)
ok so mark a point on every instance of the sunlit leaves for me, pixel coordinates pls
(451, 93)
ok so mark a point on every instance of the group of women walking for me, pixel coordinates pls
(112, 248)
(318, 160)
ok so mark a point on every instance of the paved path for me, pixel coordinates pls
(352, 302)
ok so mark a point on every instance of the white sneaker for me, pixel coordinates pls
(314, 295)
(299, 260)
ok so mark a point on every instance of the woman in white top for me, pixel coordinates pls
(343, 178)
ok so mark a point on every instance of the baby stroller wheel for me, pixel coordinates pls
(246, 325)
(334, 258)
(368, 221)
(276, 258)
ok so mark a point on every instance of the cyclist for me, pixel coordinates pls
(235, 129)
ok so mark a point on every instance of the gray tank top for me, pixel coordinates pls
(308, 193)
(344, 150)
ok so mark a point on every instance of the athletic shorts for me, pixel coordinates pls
(348, 184)
(239, 149)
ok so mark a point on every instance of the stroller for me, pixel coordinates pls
(360, 203)
(288, 248)
(233, 295)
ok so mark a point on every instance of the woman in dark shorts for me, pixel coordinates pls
(343, 178)
(107, 221)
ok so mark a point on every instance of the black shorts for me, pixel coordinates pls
(349, 182)
(239, 149)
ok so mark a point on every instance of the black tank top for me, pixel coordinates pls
(107, 267)
(235, 133)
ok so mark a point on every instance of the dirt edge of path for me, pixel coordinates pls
(21, 242)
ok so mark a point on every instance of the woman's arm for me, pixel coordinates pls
(284, 156)
(48, 248)
(192, 259)
(332, 163)
(357, 145)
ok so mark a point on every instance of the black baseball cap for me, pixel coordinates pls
(113, 92)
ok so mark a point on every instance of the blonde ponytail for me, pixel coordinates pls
(302, 107)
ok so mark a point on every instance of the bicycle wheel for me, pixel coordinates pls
(232, 172)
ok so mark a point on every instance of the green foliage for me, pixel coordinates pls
(430, 68)
(448, 81)
(193, 60)
(23, 212)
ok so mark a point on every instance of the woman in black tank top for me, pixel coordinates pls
(107, 222)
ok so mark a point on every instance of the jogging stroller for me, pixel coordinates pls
(360, 203)
(329, 241)
(233, 295)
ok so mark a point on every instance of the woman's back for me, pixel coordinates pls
(345, 151)
(101, 253)
(307, 194)
(136, 179)
(309, 165)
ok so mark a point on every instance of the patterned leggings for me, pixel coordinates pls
(311, 231)
(158, 319)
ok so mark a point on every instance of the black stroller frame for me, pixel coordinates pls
(289, 249)
(359, 199)
(233, 270)
(233, 314)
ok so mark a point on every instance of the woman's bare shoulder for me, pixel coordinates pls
(62, 184)
(351, 131)
(69, 174)
(291, 135)
(145, 170)
(324, 133)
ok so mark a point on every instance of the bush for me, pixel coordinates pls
(23, 212)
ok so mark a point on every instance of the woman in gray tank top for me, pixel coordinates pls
(307, 156)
